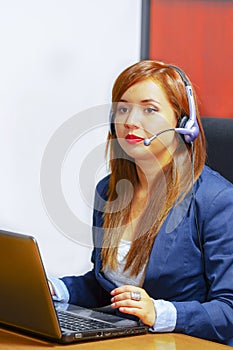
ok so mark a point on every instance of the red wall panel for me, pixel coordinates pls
(197, 36)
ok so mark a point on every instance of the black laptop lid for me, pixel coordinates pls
(25, 300)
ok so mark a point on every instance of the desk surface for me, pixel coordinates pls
(169, 341)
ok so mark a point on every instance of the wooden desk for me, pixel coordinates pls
(169, 341)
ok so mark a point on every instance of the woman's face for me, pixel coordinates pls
(143, 111)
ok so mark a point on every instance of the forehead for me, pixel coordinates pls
(145, 90)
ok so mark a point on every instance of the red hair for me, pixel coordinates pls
(177, 180)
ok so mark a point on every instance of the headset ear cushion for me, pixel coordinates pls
(112, 129)
(183, 122)
(112, 126)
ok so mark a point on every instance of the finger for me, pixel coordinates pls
(51, 288)
(121, 296)
(128, 303)
(147, 318)
(128, 289)
(131, 311)
(122, 289)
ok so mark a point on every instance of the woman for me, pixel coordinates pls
(162, 223)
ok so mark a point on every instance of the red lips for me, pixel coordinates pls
(133, 139)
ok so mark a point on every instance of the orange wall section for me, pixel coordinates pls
(198, 37)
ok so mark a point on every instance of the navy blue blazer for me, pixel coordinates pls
(201, 290)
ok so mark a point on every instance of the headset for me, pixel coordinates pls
(187, 126)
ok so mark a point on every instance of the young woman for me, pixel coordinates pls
(162, 221)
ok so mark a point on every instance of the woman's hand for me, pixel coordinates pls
(51, 288)
(125, 299)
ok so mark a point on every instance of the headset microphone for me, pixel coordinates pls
(147, 142)
(189, 134)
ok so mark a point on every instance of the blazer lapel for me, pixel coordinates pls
(163, 243)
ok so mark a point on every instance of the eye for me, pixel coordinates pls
(151, 110)
(122, 109)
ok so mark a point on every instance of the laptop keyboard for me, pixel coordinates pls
(79, 323)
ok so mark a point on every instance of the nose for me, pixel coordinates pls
(133, 119)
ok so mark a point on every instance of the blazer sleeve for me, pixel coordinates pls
(85, 290)
(213, 319)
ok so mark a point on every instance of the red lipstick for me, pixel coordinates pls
(133, 139)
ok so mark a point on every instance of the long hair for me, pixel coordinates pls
(173, 180)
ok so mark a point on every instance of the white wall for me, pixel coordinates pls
(58, 58)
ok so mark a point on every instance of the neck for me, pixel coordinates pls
(148, 171)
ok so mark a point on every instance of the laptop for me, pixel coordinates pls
(26, 304)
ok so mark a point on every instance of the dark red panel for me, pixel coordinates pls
(198, 37)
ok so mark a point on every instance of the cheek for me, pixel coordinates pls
(120, 134)
(120, 130)
(168, 141)
(165, 123)
(153, 126)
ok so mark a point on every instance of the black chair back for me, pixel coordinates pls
(219, 139)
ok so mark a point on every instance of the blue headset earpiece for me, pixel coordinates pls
(188, 126)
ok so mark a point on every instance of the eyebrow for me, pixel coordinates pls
(143, 101)
(150, 100)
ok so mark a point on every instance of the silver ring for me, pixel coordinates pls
(135, 296)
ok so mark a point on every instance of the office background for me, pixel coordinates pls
(59, 58)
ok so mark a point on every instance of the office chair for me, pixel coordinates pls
(219, 139)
